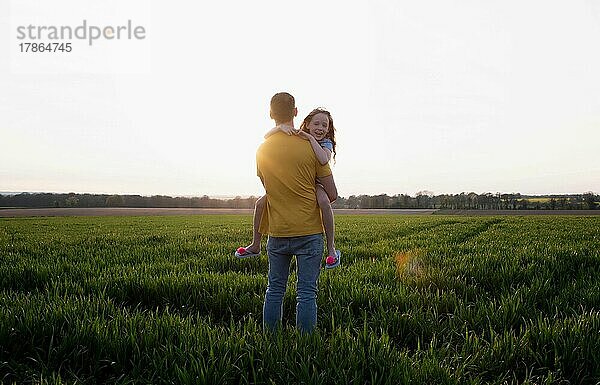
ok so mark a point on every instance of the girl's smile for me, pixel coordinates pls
(319, 126)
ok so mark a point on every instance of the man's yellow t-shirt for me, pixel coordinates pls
(288, 167)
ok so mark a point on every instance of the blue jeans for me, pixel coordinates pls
(308, 251)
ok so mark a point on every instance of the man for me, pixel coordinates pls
(288, 169)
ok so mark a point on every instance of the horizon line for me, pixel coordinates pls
(229, 197)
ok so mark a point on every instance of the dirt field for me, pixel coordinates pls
(518, 212)
(126, 211)
(114, 211)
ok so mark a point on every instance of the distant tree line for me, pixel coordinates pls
(104, 200)
(422, 200)
(472, 201)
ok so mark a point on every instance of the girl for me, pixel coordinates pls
(318, 129)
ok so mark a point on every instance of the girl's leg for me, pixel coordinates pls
(328, 223)
(259, 206)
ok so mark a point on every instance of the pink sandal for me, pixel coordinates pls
(331, 261)
(241, 252)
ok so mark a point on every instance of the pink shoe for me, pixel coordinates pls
(241, 252)
(331, 261)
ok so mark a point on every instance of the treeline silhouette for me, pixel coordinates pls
(104, 200)
(472, 201)
(422, 200)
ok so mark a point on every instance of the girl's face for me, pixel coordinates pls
(319, 126)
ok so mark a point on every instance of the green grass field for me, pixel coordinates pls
(466, 300)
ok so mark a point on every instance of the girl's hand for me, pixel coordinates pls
(287, 129)
(304, 135)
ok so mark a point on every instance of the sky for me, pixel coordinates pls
(443, 96)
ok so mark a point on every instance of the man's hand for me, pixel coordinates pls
(329, 186)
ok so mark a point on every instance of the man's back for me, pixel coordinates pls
(288, 168)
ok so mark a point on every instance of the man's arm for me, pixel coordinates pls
(329, 186)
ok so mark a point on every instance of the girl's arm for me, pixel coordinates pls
(323, 155)
(282, 127)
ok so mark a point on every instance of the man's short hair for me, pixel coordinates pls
(282, 107)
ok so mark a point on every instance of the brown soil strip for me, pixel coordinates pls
(518, 212)
(126, 211)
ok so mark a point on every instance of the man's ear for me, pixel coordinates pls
(295, 111)
(271, 114)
